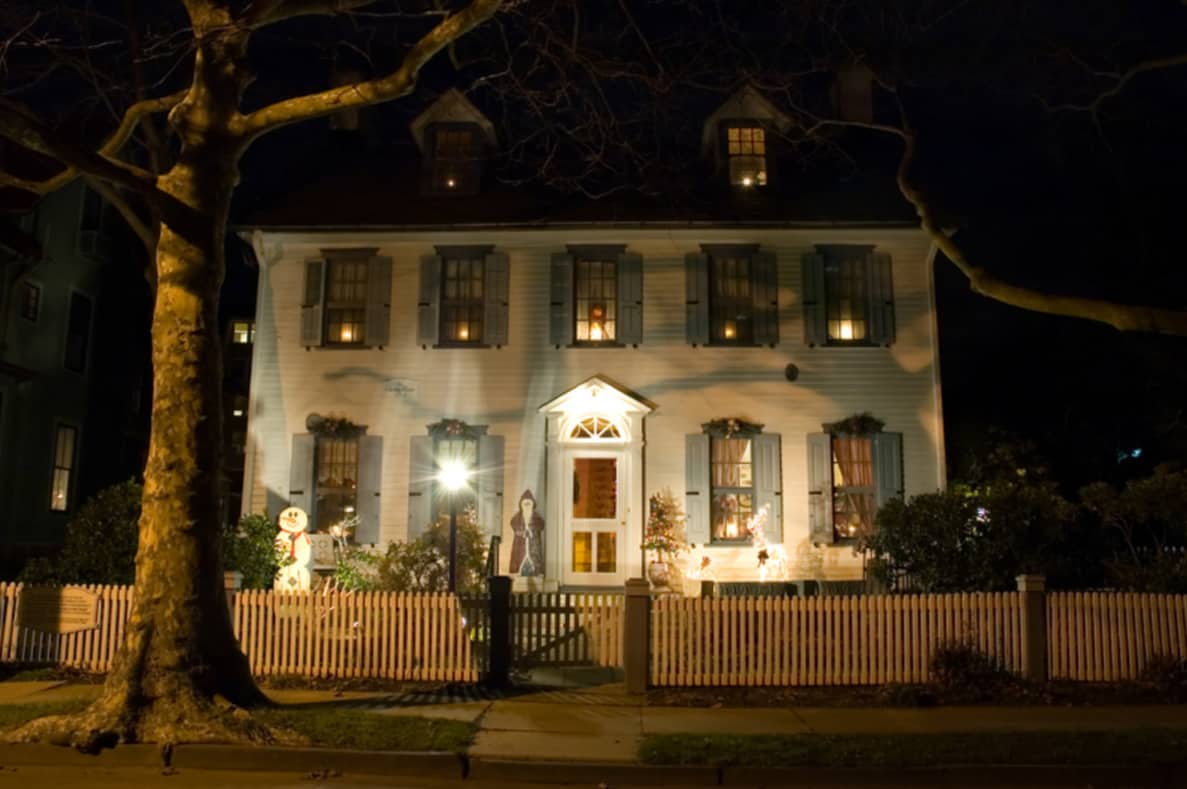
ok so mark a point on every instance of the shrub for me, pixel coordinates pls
(249, 547)
(1168, 674)
(100, 544)
(964, 672)
(422, 565)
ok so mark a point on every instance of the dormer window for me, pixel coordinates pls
(746, 148)
(456, 155)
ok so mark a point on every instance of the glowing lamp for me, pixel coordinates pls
(747, 180)
(846, 330)
(595, 331)
(346, 335)
(463, 333)
(453, 475)
(730, 330)
(450, 183)
(731, 529)
(237, 412)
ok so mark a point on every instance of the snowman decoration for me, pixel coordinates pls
(296, 551)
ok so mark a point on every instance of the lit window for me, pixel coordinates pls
(747, 149)
(596, 302)
(732, 488)
(595, 427)
(243, 332)
(462, 299)
(64, 447)
(456, 159)
(337, 475)
(30, 302)
(346, 301)
(854, 496)
(731, 301)
(846, 299)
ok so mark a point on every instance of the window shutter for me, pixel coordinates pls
(377, 329)
(696, 488)
(881, 299)
(427, 307)
(815, 320)
(630, 299)
(302, 486)
(696, 282)
(494, 321)
(421, 470)
(561, 332)
(820, 488)
(490, 484)
(766, 299)
(370, 480)
(768, 483)
(888, 465)
(311, 306)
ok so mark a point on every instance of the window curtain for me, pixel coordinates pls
(728, 456)
(854, 456)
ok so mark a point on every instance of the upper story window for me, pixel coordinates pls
(848, 296)
(595, 279)
(30, 307)
(464, 298)
(347, 301)
(456, 151)
(463, 302)
(78, 333)
(732, 296)
(243, 332)
(597, 296)
(746, 149)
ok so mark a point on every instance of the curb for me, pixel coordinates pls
(37, 755)
(513, 772)
(958, 775)
(427, 764)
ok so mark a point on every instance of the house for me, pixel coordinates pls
(774, 357)
(74, 379)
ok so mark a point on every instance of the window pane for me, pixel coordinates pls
(731, 515)
(607, 552)
(462, 300)
(596, 290)
(595, 488)
(731, 307)
(242, 332)
(346, 300)
(582, 552)
(731, 464)
(854, 502)
(846, 302)
(337, 473)
(31, 302)
(64, 444)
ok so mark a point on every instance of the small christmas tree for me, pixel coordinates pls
(665, 527)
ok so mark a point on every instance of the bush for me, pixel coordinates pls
(100, 544)
(964, 672)
(249, 547)
(1168, 674)
(422, 565)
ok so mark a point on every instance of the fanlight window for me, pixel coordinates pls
(595, 427)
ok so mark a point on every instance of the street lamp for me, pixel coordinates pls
(453, 476)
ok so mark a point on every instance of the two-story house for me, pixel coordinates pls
(577, 359)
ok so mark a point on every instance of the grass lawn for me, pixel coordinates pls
(1153, 746)
(325, 726)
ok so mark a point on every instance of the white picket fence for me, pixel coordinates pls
(92, 649)
(1108, 636)
(865, 640)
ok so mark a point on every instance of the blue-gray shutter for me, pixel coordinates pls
(494, 320)
(561, 310)
(377, 328)
(881, 290)
(630, 299)
(696, 488)
(428, 305)
(311, 305)
(302, 485)
(489, 483)
(813, 301)
(421, 470)
(820, 488)
(696, 283)
(768, 483)
(765, 292)
(367, 498)
(888, 465)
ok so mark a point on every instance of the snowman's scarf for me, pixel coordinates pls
(293, 537)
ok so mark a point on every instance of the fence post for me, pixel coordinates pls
(636, 635)
(1034, 626)
(498, 672)
(232, 583)
(708, 589)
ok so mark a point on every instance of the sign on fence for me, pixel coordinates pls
(58, 610)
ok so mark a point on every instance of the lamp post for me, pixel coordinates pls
(453, 476)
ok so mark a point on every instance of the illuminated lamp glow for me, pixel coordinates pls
(463, 332)
(846, 330)
(237, 412)
(729, 330)
(453, 475)
(595, 331)
(346, 335)
(450, 183)
(747, 180)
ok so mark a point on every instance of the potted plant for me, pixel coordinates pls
(663, 537)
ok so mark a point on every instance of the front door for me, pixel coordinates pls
(595, 523)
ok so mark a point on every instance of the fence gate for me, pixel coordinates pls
(556, 629)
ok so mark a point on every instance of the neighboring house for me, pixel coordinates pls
(71, 419)
(585, 358)
(238, 338)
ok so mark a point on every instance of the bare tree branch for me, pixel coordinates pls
(1123, 79)
(394, 85)
(267, 12)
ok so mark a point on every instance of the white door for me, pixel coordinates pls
(595, 523)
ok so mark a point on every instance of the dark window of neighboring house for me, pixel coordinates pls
(854, 490)
(30, 301)
(595, 284)
(337, 475)
(346, 301)
(448, 450)
(78, 332)
(731, 479)
(746, 146)
(846, 299)
(456, 151)
(731, 303)
(243, 332)
(92, 231)
(462, 299)
(64, 449)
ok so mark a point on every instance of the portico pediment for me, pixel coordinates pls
(598, 394)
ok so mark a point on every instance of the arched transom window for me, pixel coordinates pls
(595, 428)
